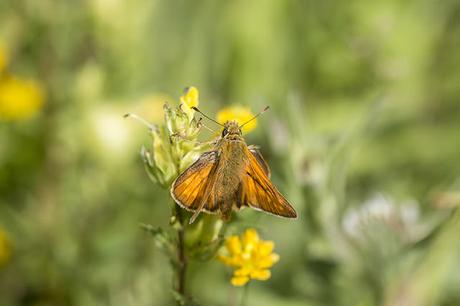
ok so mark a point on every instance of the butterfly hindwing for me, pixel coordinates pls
(258, 192)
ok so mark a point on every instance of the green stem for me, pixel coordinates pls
(245, 295)
(181, 256)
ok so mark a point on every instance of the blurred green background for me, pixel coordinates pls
(363, 137)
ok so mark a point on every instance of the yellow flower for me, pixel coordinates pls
(151, 106)
(250, 256)
(188, 100)
(5, 248)
(19, 99)
(239, 113)
(190, 97)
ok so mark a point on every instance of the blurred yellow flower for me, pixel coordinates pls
(20, 99)
(3, 58)
(250, 256)
(239, 113)
(5, 248)
(151, 106)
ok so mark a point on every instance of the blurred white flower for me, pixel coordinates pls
(279, 136)
(115, 139)
(110, 130)
(109, 135)
(380, 222)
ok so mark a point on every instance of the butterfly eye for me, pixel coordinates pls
(224, 132)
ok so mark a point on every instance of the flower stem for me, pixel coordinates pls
(181, 256)
(245, 295)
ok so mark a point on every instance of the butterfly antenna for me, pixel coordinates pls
(141, 120)
(260, 113)
(200, 123)
(209, 118)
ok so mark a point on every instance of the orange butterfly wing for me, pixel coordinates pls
(258, 192)
(260, 159)
(192, 189)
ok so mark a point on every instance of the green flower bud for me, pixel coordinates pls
(174, 145)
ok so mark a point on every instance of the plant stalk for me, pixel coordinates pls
(245, 295)
(181, 272)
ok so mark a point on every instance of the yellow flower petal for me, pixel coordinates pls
(260, 274)
(274, 257)
(250, 236)
(233, 261)
(239, 113)
(225, 260)
(190, 97)
(233, 245)
(266, 247)
(239, 281)
(250, 241)
(20, 99)
(245, 271)
(268, 261)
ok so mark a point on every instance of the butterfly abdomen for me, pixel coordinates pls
(231, 166)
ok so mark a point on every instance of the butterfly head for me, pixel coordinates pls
(231, 129)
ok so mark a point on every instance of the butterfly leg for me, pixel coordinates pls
(194, 216)
(183, 138)
(201, 124)
(180, 137)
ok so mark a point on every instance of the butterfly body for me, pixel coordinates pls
(231, 167)
(229, 177)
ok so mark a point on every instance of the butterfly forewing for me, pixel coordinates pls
(258, 192)
(192, 189)
(260, 159)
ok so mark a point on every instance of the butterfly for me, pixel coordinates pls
(230, 176)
